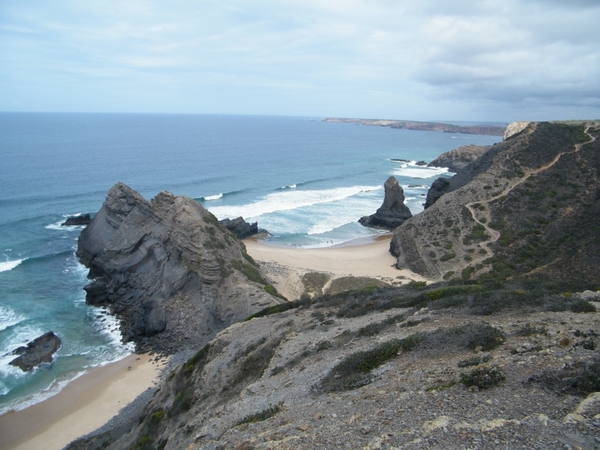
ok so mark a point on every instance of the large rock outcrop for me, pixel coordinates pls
(166, 267)
(240, 227)
(40, 350)
(393, 212)
(459, 158)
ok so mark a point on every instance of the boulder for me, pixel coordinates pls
(393, 212)
(82, 220)
(38, 351)
(240, 227)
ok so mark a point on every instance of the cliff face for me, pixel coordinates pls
(525, 207)
(167, 269)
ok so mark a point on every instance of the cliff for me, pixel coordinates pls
(170, 272)
(492, 130)
(459, 158)
(526, 206)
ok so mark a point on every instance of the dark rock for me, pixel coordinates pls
(84, 219)
(421, 163)
(240, 227)
(459, 158)
(393, 212)
(437, 189)
(38, 351)
(166, 265)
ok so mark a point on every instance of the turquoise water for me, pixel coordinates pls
(304, 180)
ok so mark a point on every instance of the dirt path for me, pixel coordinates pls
(495, 235)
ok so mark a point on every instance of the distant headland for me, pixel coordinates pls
(492, 130)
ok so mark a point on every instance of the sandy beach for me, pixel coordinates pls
(82, 406)
(359, 258)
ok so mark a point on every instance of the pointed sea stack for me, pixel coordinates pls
(393, 212)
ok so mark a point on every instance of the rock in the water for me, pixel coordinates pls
(393, 212)
(459, 158)
(240, 227)
(167, 265)
(38, 351)
(84, 219)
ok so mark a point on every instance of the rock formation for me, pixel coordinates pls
(514, 128)
(84, 219)
(438, 188)
(393, 212)
(38, 351)
(167, 268)
(459, 158)
(240, 227)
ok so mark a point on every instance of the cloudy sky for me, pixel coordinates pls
(474, 60)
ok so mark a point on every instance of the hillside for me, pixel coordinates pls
(528, 206)
(411, 367)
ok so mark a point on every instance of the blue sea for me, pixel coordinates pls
(304, 180)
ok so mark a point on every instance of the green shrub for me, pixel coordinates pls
(474, 361)
(583, 306)
(483, 378)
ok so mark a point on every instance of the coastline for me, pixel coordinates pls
(90, 401)
(81, 407)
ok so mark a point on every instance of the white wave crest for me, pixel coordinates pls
(8, 317)
(213, 197)
(10, 265)
(411, 170)
(289, 200)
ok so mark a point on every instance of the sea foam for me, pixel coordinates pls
(411, 170)
(10, 265)
(289, 200)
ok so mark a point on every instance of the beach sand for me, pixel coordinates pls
(94, 398)
(82, 406)
(359, 258)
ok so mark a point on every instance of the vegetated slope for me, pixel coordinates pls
(170, 272)
(412, 367)
(530, 208)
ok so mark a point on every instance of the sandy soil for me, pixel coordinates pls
(81, 407)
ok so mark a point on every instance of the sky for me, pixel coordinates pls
(475, 60)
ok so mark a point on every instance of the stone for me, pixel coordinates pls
(437, 189)
(393, 212)
(40, 350)
(84, 219)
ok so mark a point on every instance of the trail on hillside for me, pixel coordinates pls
(494, 234)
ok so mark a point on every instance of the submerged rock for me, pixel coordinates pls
(393, 212)
(38, 351)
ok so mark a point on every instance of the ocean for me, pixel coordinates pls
(305, 181)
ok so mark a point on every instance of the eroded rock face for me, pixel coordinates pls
(167, 269)
(514, 128)
(459, 158)
(393, 212)
(37, 352)
(437, 189)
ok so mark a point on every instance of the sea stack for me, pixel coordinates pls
(393, 212)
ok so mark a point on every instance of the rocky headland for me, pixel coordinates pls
(459, 158)
(170, 272)
(525, 206)
(424, 126)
